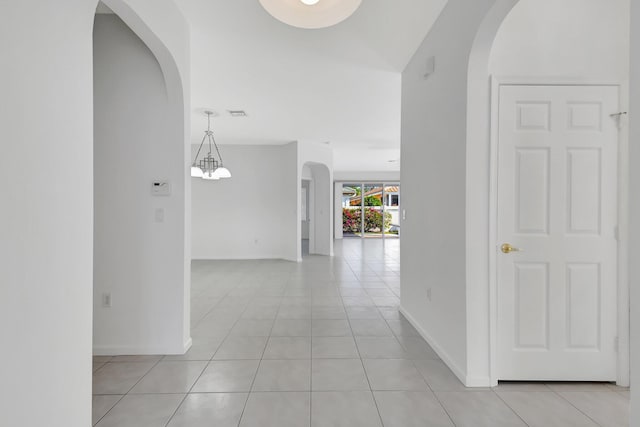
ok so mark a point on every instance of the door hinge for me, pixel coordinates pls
(616, 232)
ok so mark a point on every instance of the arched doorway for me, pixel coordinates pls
(315, 207)
(139, 231)
(482, 153)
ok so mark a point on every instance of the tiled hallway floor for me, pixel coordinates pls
(320, 344)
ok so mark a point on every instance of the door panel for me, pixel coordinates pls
(351, 210)
(532, 180)
(373, 210)
(557, 198)
(531, 283)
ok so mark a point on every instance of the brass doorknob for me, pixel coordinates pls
(507, 248)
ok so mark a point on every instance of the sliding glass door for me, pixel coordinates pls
(351, 210)
(370, 210)
(373, 210)
(392, 211)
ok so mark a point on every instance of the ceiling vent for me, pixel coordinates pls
(237, 113)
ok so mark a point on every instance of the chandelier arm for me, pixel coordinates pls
(195, 160)
(217, 151)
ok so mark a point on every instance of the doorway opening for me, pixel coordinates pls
(140, 277)
(316, 221)
(305, 220)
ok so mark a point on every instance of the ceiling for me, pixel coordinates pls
(339, 85)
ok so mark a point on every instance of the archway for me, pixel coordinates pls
(478, 214)
(139, 232)
(482, 180)
(315, 207)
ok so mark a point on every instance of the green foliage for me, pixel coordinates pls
(372, 201)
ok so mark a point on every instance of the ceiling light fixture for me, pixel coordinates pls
(209, 168)
(298, 13)
(237, 113)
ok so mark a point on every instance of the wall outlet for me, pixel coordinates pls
(159, 215)
(429, 294)
(106, 299)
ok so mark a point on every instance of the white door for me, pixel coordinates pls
(557, 198)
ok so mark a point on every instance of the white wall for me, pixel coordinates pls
(634, 214)
(433, 182)
(251, 215)
(46, 215)
(138, 258)
(306, 172)
(366, 176)
(46, 220)
(585, 39)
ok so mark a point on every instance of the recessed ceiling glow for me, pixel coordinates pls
(324, 13)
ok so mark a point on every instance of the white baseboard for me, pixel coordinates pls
(187, 344)
(241, 258)
(140, 351)
(448, 360)
(479, 382)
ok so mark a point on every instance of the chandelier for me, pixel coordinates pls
(209, 167)
(311, 14)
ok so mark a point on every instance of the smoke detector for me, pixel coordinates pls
(237, 113)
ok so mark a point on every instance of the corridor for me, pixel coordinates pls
(320, 343)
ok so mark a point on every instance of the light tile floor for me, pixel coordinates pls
(321, 343)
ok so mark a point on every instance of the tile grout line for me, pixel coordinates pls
(215, 352)
(442, 406)
(244, 408)
(311, 364)
(209, 362)
(128, 391)
(509, 406)
(362, 362)
(578, 409)
(105, 414)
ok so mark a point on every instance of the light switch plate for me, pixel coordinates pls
(161, 188)
(430, 67)
(106, 299)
